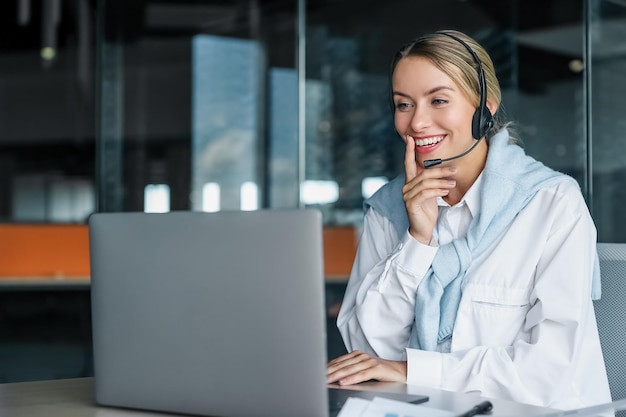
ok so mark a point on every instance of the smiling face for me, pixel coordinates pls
(431, 108)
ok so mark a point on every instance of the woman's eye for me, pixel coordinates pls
(402, 106)
(439, 101)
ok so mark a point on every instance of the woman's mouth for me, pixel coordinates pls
(427, 145)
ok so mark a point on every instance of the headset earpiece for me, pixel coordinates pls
(482, 121)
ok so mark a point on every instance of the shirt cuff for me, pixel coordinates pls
(414, 256)
(423, 368)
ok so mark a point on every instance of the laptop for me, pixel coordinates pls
(210, 314)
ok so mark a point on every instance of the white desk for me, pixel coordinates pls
(74, 398)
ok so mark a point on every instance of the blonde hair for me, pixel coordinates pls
(452, 57)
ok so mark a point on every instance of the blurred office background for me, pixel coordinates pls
(145, 105)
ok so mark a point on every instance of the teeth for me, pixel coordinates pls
(429, 141)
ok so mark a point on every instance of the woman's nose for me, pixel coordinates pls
(420, 120)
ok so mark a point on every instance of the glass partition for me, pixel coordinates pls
(201, 97)
(606, 42)
(46, 111)
(198, 98)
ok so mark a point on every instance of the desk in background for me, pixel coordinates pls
(73, 397)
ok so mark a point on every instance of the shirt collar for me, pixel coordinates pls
(471, 197)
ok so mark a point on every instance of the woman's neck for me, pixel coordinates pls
(468, 170)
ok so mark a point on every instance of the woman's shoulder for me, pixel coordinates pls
(388, 202)
(562, 195)
(564, 184)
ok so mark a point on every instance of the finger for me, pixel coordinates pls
(443, 173)
(363, 371)
(347, 361)
(353, 373)
(344, 358)
(378, 369)
(410, 165)
(418, 196)
(414, 200)
(357, 377)
(423, 188)
(349, 379)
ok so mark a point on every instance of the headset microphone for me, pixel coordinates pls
(482, 120)
(432, 162)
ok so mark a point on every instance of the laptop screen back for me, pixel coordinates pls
(209, 313)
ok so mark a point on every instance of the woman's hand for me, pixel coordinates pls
(420, 192)
(357, 367)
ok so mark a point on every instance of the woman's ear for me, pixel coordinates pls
(493, 107)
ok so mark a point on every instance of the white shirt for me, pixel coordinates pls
(525, 328)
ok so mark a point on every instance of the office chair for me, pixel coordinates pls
(611, 316)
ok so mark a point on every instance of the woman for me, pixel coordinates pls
(475, 273)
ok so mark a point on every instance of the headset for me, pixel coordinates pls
(482, 120)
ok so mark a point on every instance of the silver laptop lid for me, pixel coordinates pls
(209, 313)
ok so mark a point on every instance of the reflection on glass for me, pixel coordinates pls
(249, 196)
(71, 200)
(211, 197)
(283, 134)
(38, 198)
(319, 192)
(156, 198)
(46, 111)
(370, 185)
(225, 116)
